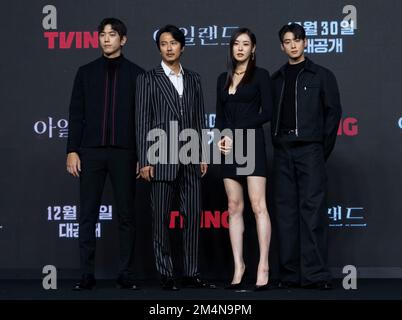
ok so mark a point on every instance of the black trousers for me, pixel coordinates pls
(120, 164)
(301, 212)
(187, 187)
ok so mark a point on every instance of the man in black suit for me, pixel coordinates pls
(101, 141)
(306, 116)
(170, 95)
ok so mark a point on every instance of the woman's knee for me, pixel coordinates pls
(259, 207)
(235, 206)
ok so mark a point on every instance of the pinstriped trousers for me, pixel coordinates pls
(188, 187)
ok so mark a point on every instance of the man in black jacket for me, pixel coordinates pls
(306, 116)
(101, 141)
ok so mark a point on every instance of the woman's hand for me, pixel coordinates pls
(225, 145)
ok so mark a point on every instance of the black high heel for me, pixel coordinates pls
(266, 286)
(239, 285)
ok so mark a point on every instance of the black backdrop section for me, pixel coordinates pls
(39, 200)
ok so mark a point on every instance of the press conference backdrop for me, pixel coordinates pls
(44, 43)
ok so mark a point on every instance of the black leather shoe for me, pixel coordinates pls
(287, 285)
(169, 284)
(325, 286)
(196, 282)
(321, 285)
(235, 286)
(87, 282)
(126, 283)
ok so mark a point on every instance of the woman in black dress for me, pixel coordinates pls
(244, 101)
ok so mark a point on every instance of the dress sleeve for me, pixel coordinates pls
(265, 88)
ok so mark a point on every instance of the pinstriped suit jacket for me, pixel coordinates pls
(158, 103)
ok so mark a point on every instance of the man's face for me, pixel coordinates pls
(170, 48)
(294, 48)
(111, 42)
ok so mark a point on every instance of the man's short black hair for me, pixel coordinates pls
(176, 33)
(295, 28)
(117, 25)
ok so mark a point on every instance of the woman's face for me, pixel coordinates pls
(243, 48)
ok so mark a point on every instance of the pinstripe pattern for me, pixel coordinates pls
(187, 187)
(158, 103)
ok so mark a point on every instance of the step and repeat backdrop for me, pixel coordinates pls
(44, 43)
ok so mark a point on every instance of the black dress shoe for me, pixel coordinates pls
(196, 282)
(287, 285)
(235, 286)
(87, 282)
(321, 285)
(126, 283)
(169, 284)
(325, 286)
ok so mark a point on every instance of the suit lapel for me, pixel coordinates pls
(168, 90)
(188, 92)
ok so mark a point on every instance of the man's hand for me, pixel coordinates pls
(147, 172)
(137, 171)
(225, 145)
(204, 168)
(73, 164)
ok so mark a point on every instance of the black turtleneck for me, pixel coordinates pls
(288, 111)
(110, 108)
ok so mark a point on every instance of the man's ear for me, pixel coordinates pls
(123, 40)
(305, 43)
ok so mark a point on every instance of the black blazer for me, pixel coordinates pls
(88, 101)
(158, 104)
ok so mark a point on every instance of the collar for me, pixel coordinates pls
(113, 60)
(169, 71)
(308, 66)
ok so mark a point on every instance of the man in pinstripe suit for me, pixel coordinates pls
(165, 95)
